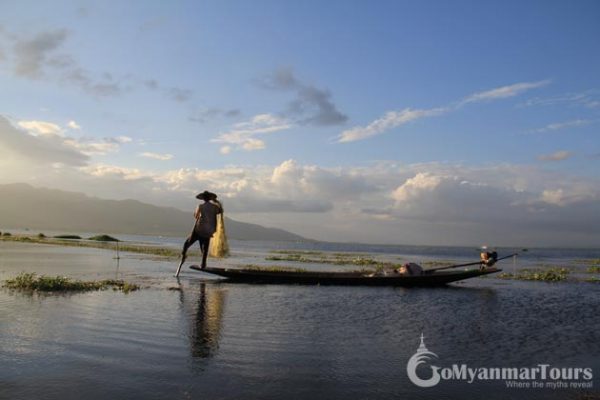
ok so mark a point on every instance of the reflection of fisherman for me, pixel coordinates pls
(206, 224)
(206, 328)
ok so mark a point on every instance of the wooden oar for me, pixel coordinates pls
(180, 265)
(471, 263)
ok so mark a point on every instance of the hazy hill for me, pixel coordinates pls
(23, 206)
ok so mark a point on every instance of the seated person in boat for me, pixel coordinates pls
(488, 258)
(410, 269)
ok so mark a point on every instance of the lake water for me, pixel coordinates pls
(197, 337)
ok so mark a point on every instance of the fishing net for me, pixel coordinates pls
(219, 247)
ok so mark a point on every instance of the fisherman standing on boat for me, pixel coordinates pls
(206, 225)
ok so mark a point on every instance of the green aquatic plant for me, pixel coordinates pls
(74, 237)
(593, 269)
(104, 238)
(555, 274)
(30, 281)
(592, 279)
(297, 257)
(305, 252)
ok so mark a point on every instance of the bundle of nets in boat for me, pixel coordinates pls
(219, 247)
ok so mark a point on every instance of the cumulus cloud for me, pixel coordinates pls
(311, 105)
(73, 125)
(41, 127)
(388, 202)
(242, 135)
(43, 148)
(93, 146)
(393, 119)
(53, 135)
(556, 156)
(157, 156)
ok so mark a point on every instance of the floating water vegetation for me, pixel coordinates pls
(336, 260)
(72, 237)
(304, 252)
(104, 238)
(554, 274)
(30, 281)
(593, 279)
(593, 269)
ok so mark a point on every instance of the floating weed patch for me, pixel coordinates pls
(104, 238)
(593, 269)
(299, 257)
(30, 281)
(72, 237)
(593, 279)
(555, 274)
(305, 252)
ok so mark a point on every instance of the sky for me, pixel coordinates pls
(397, 122)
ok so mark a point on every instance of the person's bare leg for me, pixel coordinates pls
(188, 242)
(204, 243)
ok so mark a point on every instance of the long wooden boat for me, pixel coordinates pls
(428, 278)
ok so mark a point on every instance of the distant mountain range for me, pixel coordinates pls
(25, 207)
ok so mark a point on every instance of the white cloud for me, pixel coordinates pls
(242, 135)
(122, 139)
(92, 146)
(587, 99)
(253, 144)
(415, 186)
(503, 92)
(73, 125)
(388, 202)
(225, 149)
(40, 148)
(41, 127)
(563, 125)
(157, 156)
(556, 156)
(393, 119)
(101, 170)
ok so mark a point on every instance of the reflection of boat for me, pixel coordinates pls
(427, 278)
